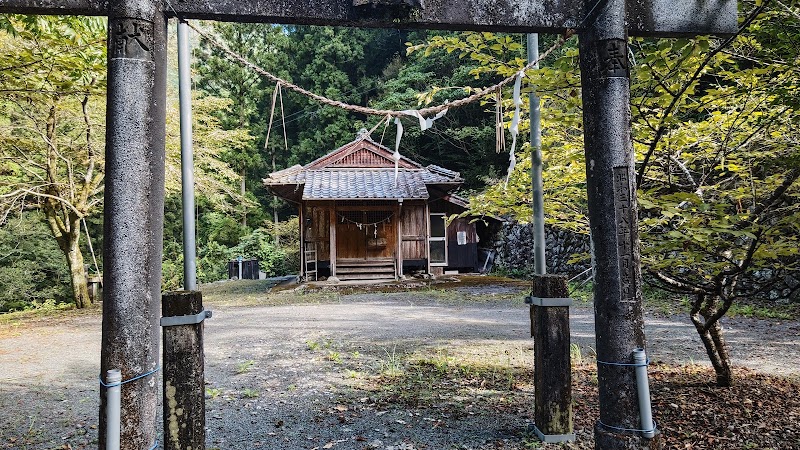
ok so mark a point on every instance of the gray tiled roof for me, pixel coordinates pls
(358, 183)
(327, 179)
(329, 184)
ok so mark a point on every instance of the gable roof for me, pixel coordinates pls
(361, 153)
(362, 169)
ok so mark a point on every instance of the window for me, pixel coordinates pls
(438, 240)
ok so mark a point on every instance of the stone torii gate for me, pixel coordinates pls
(135, 157)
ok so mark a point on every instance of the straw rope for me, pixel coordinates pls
(373, 111)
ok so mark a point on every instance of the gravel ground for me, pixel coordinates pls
(305, 376)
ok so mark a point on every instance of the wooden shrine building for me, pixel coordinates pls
(363, 218)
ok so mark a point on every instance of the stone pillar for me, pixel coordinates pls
(134, 212)
(619, 326)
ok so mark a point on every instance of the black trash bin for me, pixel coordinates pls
(249, 269)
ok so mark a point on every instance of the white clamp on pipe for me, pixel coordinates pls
(643, 389)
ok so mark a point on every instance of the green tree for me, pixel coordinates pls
(715, 130)
(464, 139)
(558, 85)
(717, 127)
(214, 178)
(272, 260)
(52, 113)
(53, 81)
(32, 267)
(215, 182)
(345, 64)
(218, 76)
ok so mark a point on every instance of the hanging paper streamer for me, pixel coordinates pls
(500, 141)
(515, 124)
(396, 154)
(388, 121)
(424, 124)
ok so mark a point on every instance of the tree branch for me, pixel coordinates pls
(674, 103)
(22, 192)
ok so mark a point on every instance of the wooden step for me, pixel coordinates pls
(365, 276)
(365, 262)
(362, 269)
(376, 269)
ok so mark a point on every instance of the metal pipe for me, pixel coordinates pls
(187, 159)
(643, 389)
(539, 264)
(113, 408)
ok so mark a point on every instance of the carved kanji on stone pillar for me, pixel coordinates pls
(131, 38)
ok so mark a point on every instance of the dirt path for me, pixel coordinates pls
(299, 376)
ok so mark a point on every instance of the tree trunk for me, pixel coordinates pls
(724, 374)
(68, 233)
(714, 342)
(275, 206)
(243, 191)
(80, 289)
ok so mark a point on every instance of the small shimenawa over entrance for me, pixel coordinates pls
(363, 217)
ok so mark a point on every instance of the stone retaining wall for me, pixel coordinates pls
(514, 256)
(514, 247)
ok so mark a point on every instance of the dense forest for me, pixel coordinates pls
(715, 127)
(53, 93)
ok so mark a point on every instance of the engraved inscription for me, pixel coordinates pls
(624, 221)
(613, 58)
(132, 38)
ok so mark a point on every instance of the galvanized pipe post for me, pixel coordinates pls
(134, 212)
(539, 264)
(619, 326)
(549, 306)
(643, 391)
(113, 409)
(187, 158)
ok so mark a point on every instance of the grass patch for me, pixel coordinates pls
(581, 292)
(46, 314)
(443, 283)
(244, 366)
(237, 287)
(249, 393)
(441, 381)
(212, 393)
(664, 302)
(779, 312)
(334, 356)
(759, 411)
(392, 365)
(262, 293)
(312, 345)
